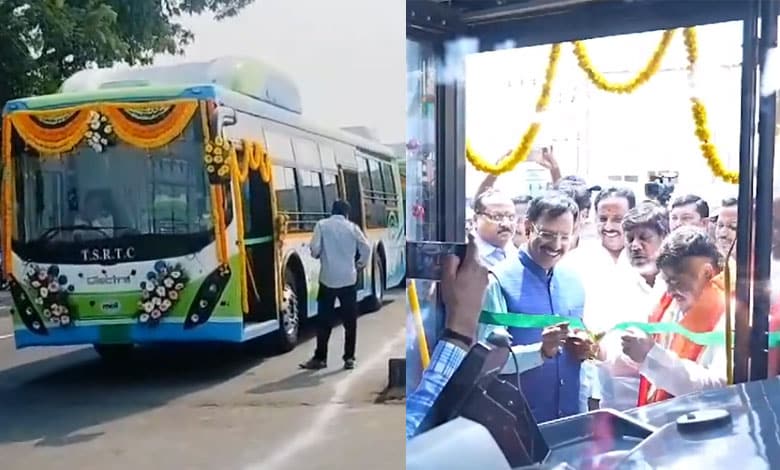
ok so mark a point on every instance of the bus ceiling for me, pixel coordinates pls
(521, 23)
(247, 76)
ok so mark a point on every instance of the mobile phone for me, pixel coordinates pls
(424, 259)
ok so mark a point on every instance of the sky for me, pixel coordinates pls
(347, 56)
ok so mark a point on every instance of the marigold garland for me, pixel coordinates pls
(238, 202)
(520, 153)
(150, 135)
(699, 112)
(54, 140)
(7, 200)
(76, 121)
(643, 76)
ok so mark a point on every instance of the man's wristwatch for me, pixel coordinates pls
(455, 336)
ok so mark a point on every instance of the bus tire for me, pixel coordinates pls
(289, 313)
(375, 301)
(114, 352)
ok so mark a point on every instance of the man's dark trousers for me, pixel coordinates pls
(326, 313)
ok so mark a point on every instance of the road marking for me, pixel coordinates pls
(6, 336)
(314, 432)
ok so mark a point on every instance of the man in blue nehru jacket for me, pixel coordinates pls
(530, 283)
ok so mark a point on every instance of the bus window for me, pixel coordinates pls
(328, 157)
(376, 178)
(365, 180)
(389, 179)
(312, 203)
(286, 199)
(280, 147)
(306, 153)
(330, 188)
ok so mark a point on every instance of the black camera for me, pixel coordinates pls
(660, 187)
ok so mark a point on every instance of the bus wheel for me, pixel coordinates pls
(289, 314)
(375, 300)
(114, 352)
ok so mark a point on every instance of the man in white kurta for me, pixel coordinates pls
(603, 267)
(690, 264)
(635, 295)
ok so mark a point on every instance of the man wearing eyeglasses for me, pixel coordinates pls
(532, 283)
(494, 222)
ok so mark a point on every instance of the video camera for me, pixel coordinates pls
(661, 186)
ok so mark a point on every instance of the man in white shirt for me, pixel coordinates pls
(336, 243)
(603, 268)
(645, 227)
(494, 220)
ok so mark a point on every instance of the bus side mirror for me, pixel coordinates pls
(223, 116)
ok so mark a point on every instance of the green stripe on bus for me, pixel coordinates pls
(522, 320)
(258, 240)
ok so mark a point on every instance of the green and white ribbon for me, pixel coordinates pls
(524, 320)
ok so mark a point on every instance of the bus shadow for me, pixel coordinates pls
(56, 401)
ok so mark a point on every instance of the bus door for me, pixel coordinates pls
(261, 259)
(354, 196)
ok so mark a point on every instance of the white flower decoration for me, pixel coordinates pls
(156, 301)
(144, 317)
(148, 306)
(160, 291)
(65, 320)
(156, 314)
(44, 292)
(173, 295)
(168, 282)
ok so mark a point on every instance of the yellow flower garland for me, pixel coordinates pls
(58, 140)
(150, 136)
(642, 77)
(7, 200)
(699, 113)
(238, 202)
(520, 153)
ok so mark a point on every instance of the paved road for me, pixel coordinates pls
(203, 408)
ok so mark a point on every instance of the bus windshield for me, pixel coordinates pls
(88, 198)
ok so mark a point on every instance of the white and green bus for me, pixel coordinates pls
(176, 204)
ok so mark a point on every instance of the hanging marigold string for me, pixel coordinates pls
(150, 125)
(7, 199)
(699, 112)
(643, 76)
(238, 202)
(520, 153)
(217, 199)
(52, 132)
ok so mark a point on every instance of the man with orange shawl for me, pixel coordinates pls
(671, 365)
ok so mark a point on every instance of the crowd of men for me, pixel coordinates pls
(629, 261)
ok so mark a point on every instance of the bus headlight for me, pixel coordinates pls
(26, 309)
(206, 298)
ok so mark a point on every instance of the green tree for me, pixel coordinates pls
(42, 42)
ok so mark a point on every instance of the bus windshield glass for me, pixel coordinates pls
(90, 197)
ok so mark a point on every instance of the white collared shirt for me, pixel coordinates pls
(490, 254)
(335, 243)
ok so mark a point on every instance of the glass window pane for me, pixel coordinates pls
(306, 153)
(420, 196)
(365, 180)
(312, 203)
(331, 189)
(280, 147)
(284, 186)
(376, 177)
(328, 156)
